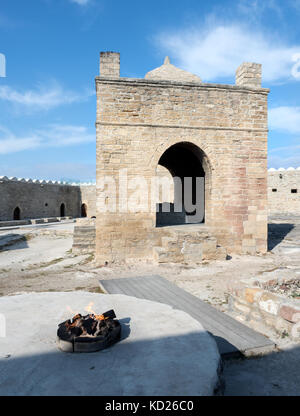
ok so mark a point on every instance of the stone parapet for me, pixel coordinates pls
(249, 74)
(251, 301)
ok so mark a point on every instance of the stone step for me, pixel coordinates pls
(84, 245)
(83, 248)
(83, 235)
(84, 238)
(84, 229)
(79, 239)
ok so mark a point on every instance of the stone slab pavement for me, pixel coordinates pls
(162, 352)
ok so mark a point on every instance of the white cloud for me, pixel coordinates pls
(80, 2)
(285, 118)
(43, 98)
(59, 171)
(12, 144)
(50, 136)
(65, 135)
(289, 157)
(215, 50)
(255, 9)
(66, 171)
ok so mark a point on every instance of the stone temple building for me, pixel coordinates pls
(172, 120)
(169, 125)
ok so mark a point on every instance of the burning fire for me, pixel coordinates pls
(89, 308)
(90, 332)
(69, 309)
(90, 311)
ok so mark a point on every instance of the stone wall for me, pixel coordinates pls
(42, 199)
(139, 119)
(282, 195)
(284, 191)
(88, 197)
(252, 302)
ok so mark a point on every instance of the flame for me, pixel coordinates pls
(90, 312)
(69, 309)
(89, 308)
(100, 317)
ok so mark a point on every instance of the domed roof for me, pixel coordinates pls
(169, 72)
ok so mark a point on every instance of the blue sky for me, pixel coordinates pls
(47, 99)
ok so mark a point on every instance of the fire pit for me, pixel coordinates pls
(88, 333)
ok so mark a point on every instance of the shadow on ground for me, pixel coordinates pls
(274, 374)
(146, 367)
(13, 242)
(277, 233)
(158, 366)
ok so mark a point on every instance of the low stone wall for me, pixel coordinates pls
(252, 302)
(186, 244)
(33, 221)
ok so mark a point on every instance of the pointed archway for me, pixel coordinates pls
(189, 167)
(17, 214)
(62, 210)
(83, 210)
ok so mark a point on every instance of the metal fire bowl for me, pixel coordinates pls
(90, 344)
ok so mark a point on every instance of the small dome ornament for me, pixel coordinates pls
(169, 72)
(167, 60)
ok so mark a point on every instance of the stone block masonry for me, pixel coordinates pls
(283, 194)
(248, 74)
(284, 191)
(110, 64)
(223, 126)
(254, 302)
(22, 199)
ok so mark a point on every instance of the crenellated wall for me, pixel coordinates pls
(43, 199)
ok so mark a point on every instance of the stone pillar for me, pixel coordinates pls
(248, 74)
(110, 64)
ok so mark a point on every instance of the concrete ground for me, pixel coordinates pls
(162, 351)
(42, 261)
(34, 258)
(276, 374)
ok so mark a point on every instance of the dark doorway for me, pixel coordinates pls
(62, 210)
(17, 214)
(184, 161)
(83, 210)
